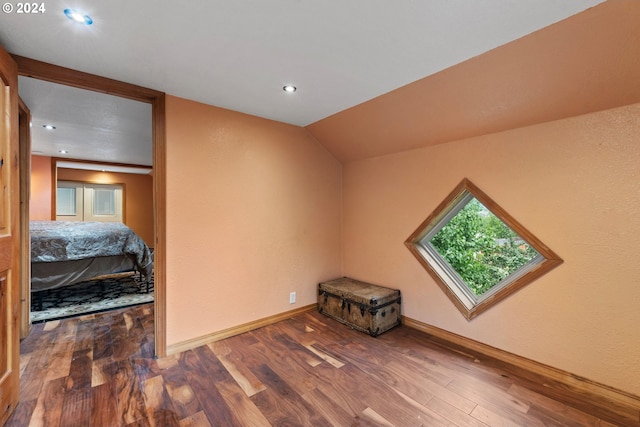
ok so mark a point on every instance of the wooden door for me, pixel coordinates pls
(9, 237)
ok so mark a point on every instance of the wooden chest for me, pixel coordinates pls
(368, 308)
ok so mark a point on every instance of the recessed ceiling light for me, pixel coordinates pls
(63, 151)
(49, 127)
(289, 88)
(78, 16)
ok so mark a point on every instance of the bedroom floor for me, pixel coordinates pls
(99, 370)
(91, 297)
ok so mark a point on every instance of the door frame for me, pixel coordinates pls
(24, 152)
(52, 73)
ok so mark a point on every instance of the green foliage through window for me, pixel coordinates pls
(476, 252)
(481, 248)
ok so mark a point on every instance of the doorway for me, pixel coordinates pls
(55, 74)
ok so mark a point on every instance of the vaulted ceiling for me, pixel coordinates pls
(456, 67)
(589, 62)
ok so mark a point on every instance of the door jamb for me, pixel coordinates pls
(24, 154)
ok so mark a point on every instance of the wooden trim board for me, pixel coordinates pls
(66, 76)
(236, 330)
(594, 398)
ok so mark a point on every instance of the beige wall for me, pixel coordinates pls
(40, 198)
(253, 213)
(574, 183)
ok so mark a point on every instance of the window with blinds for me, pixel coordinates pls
(77, 201)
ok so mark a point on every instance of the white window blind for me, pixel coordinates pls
(66, 201)
(89, 202)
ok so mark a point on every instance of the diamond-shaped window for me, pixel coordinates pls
(476, 252)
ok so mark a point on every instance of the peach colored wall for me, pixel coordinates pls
(138, 192)
(40, 200)
(253, 213)
(574, 183)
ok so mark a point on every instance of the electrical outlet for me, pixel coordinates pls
(292, 298)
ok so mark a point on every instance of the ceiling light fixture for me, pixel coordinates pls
(289, 88)
(63, 152)
(49, 127)
(78, 17)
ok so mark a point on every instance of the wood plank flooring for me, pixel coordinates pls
(99, 370)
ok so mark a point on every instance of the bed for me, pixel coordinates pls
(67, 252)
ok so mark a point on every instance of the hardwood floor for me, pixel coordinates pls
(309, 370)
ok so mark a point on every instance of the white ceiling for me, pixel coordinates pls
(239, 54)
(88, 125)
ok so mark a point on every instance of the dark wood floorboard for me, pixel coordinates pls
(99, 370)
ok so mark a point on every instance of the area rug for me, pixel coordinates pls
(91, 297)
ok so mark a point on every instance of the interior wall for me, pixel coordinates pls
(574, 183)
(40, 201)
(138, 196)
(253, 213)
